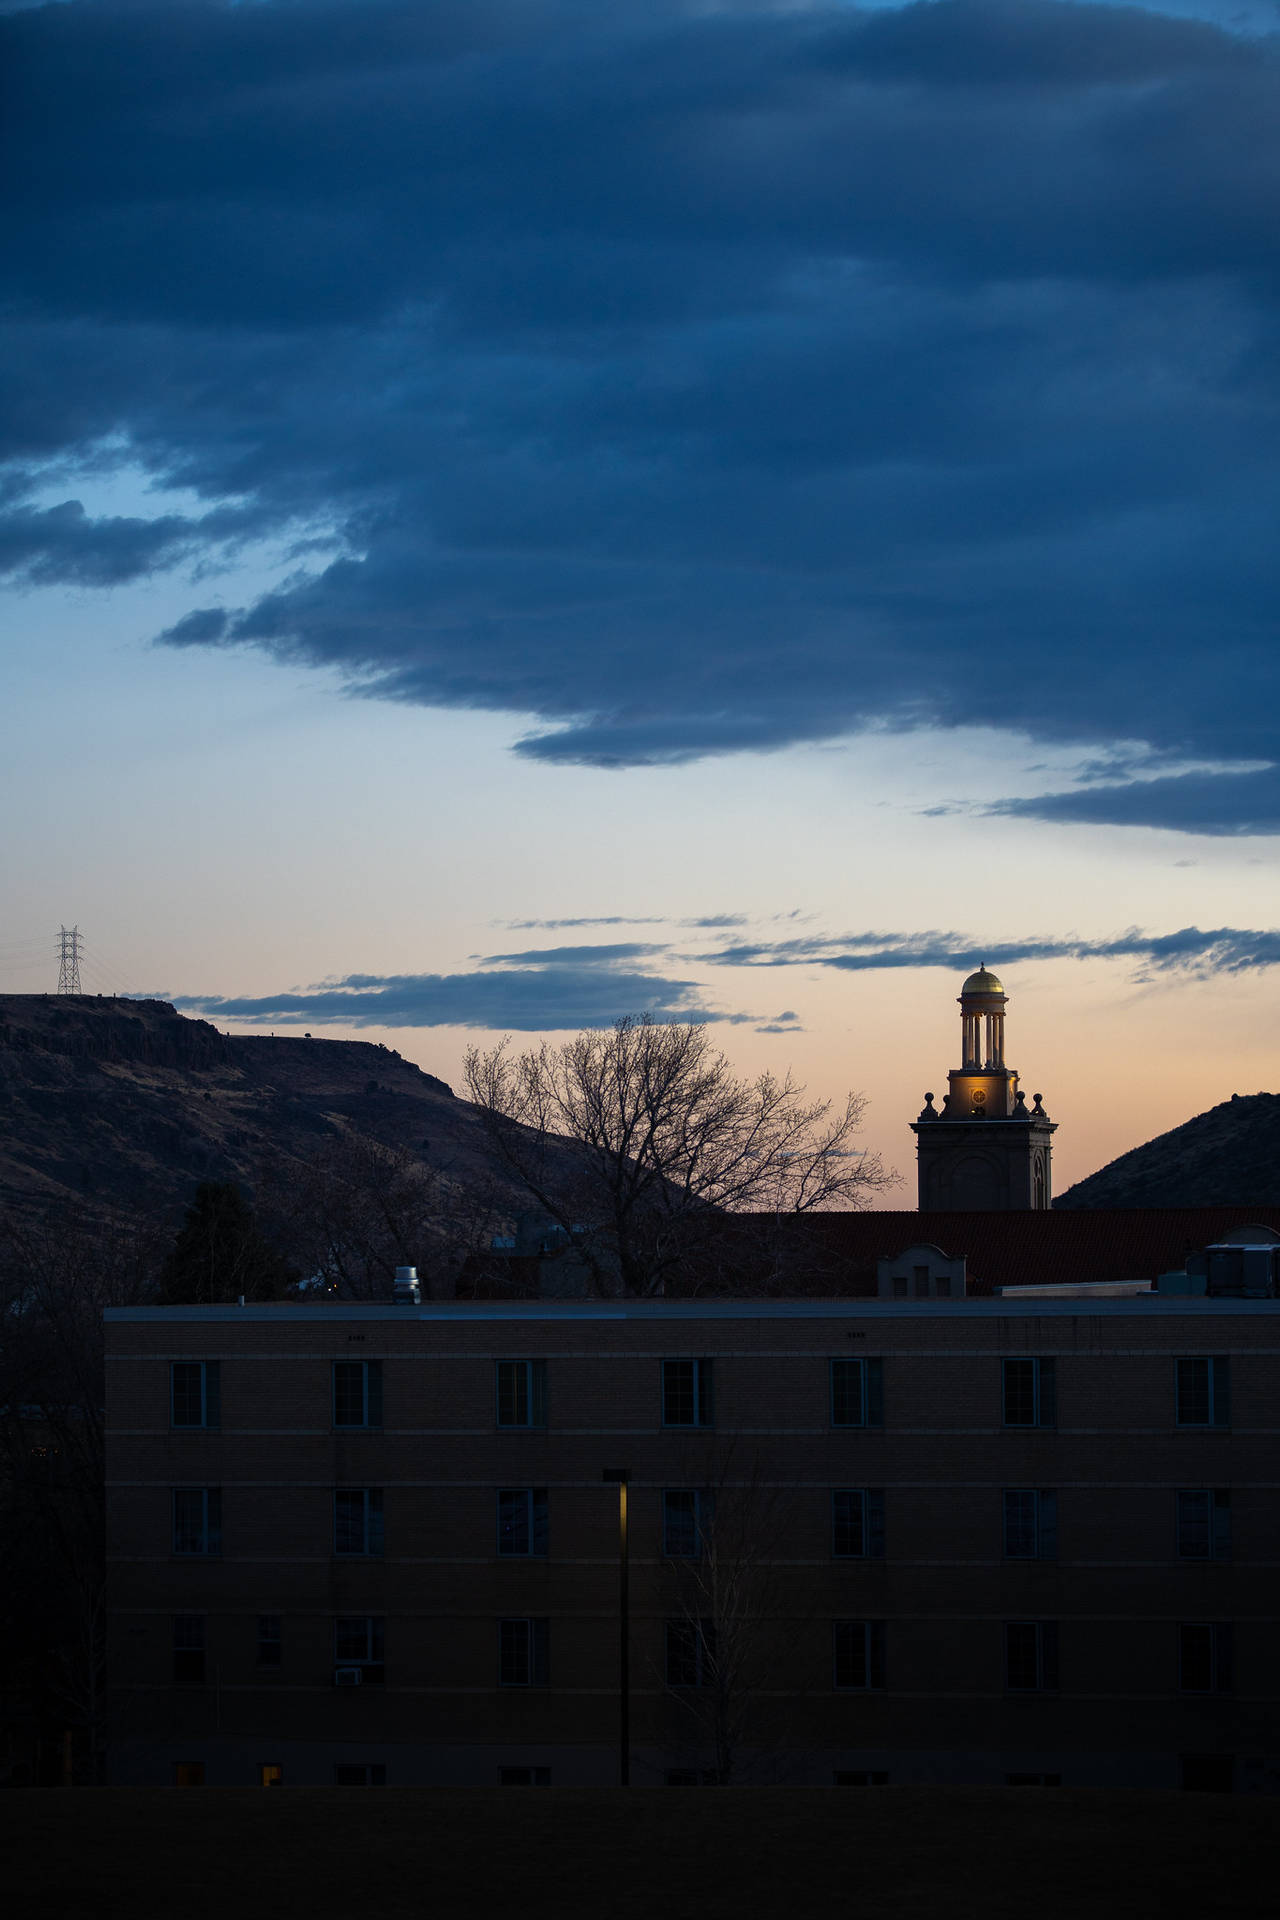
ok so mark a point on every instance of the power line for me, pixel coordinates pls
(69, 960)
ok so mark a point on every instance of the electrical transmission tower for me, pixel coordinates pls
(69, 960)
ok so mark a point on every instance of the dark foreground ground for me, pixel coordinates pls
(664, 1855)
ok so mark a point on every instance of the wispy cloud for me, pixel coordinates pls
(590, 920)
(1214, 950)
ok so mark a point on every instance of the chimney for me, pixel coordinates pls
(407, 1292)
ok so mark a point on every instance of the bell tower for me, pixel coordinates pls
(986, 1151)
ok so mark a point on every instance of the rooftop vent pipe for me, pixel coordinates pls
(407, 1291)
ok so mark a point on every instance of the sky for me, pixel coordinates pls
(518, 512)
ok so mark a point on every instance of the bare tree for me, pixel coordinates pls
(736, 1627)
(637, 1141)
(358, 1209)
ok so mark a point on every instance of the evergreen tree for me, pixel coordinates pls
(220, 1253)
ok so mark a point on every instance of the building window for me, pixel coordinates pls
(686, 1394)
(270, 1639)
(1202, 1390)
(691, 1653)
(188, 1773)
(197, 1520)
(522, 1393)
(1030, 1523)
(357, 1393)
(1031, 1656)
(1206, 1656)
(857, 1523)
(195, 1393)
(1030, 1393)
(1033, 1779)
(270, 1774)
(188, 1649)
(1204, 1523)
(688, 1515)
(691, 1777)
(357, 1521)
(859, 1777)
(857, 1393)
(359, 1649)
(524, 1776)
(858, 1647)
(522, 1521)
(524, 1653)
(372, 1775)
(920, 1282)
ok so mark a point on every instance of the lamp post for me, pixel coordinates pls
(618, 1477)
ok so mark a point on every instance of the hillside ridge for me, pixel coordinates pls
(1227, 1156)
(116, 1102)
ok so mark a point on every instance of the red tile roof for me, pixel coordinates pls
(1028, 1249)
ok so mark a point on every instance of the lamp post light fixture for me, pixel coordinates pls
(618, 1477)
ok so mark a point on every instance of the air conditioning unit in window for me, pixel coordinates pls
(348, 1676)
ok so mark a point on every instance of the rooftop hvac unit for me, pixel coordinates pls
(348, 1676)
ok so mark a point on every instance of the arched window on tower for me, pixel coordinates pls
(1039, 1199)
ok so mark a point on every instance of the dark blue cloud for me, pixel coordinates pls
(1188, 802)
(591, 920)
(602, 956)
(1194, 950)
(527, 1001)
(694, 380)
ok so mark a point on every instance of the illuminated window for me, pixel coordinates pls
(522, 1393)
(688, 1515)
(357, 1521)
(1202, 1390)
(523, 1653)
(1031, 1656)
(1206, 1650)
(188, 1649)
(188, 1773)
(522, 1521)
(195, 1393)
(691, 1653)
(857, 1523)
(1204, 1523)
(197, 1520)
(1030, 1393)
(270, 1639)
(1030, 1523)
(858, 1648)
(857, 1393)
(686, 1394)
(271, 1774)
(357, 1393)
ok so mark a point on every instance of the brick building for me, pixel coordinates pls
(965, 1540)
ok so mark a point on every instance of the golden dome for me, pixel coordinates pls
(982, 982)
